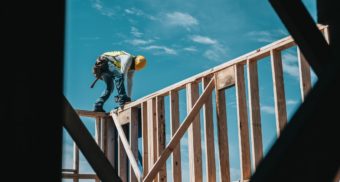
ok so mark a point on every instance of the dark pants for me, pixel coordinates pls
(110, 77)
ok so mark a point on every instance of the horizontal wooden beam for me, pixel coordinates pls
(262, 52)
(68, 170)
(180, 131)
(90, 113)
(79, 176)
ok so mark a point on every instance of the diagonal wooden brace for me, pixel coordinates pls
(180, 132)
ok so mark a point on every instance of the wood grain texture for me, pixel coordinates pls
(279, 93)
(255, 113)
(180, 132)
(209, 135)
(174, 120)
(242, 118)
(194, 136)
(222, 134)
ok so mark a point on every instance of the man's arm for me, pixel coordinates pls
(129, 82)
(125, 63)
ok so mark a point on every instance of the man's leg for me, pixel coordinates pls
(122, 97)
(107, 78)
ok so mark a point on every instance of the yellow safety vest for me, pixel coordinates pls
(114, 54)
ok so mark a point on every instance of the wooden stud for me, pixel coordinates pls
(305, 75)
(174, 120)
(209, 135)
(104, 134)
(180, 132)
(255, 114)
(152, 132)
(279, 93)
(122, 157)
(194, 136)
(160, 116)
(133, 140)
(222, 133)
(98, 132)
(242, 118)
(112, 143)
(145, 138)
(75, 162)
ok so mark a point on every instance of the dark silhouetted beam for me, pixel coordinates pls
(304, 31)
(307, 149)
(87, 145)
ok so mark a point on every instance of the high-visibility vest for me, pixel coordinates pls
(114, 54)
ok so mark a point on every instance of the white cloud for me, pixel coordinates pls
(190, 49)
(268, 109)
(203, 39)
(290, 57)
(138, 12)
(261, 36)
(266, 36)
(160, 50)
(98, 5)
(291, 102)
(180, 19)
(134, 11)
(290, 65)
(291, 69)
(135, 32)
(216, 52)
(137, 42)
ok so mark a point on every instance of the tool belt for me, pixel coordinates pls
(99, 67)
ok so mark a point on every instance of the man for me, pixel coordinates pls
(116, 66)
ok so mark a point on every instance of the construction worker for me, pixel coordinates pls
(114, 67)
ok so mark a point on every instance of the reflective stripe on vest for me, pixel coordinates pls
(114, 54)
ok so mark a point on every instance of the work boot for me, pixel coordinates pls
(98, 109)
(124, 100)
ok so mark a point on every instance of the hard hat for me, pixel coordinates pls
(140, 62)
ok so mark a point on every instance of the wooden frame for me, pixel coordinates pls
(180, 132)
(155, 150)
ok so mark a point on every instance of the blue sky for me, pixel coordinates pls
(179, 39)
